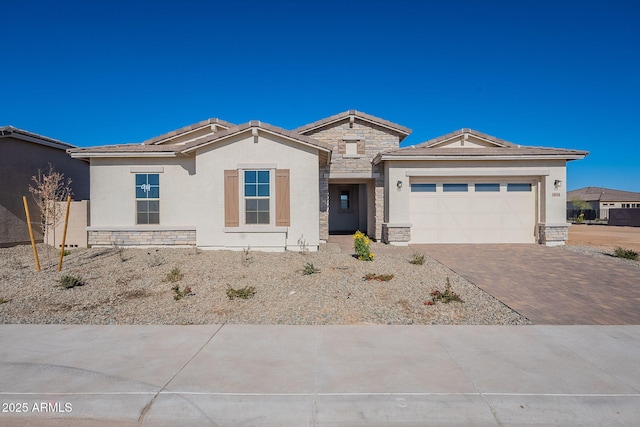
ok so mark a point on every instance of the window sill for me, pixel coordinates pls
(352, 156)
(256, 229)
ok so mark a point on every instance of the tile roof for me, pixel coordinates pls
(602, 194)
(255, 124)
(10, 131)
(359, 114)
(148, 149)
(502, 148)
(189, 128)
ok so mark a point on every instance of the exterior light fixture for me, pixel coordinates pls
(557, 183)
(399, 184)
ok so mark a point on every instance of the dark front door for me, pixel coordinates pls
(344, 205)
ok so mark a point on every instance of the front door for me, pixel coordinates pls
(344, 213)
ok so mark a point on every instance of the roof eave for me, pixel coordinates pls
(383, 157)
(88, 155)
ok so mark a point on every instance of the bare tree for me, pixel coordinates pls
(48, 190)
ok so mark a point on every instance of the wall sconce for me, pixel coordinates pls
(557, 183)
(399, 184)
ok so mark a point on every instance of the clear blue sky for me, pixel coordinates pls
(549, 73)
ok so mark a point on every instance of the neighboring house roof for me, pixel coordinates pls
(403, 131)
(12, 132)
(495, 148)
(190, 128)
(147, 150)
(601, 194)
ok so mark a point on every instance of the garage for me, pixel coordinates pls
(472, 211)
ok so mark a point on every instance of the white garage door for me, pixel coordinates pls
(486, 211)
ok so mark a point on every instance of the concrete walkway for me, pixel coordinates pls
(548, 285)
(244, 375)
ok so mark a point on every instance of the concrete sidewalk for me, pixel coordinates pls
(245, 375)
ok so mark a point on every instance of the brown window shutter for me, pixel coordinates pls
(342, 147)
(231, 204)
(282, 198)
(360, 146)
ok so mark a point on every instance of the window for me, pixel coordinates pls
(147, 198)
(423, 188)
(345, 201)
(518, 187)
(487, 187)
(351, 148)
(455, 188)
(257, 190)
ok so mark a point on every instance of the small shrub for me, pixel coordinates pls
(446, 297)
(66, 252)
(418, 259)
(179, 294)
(361, 246)
(174, 275)
(154, 259)
(247, 257)
(4, 301)
(68, 282)
(242, 293)
(378, 277)
(309, 269)
(304, 247)
(625, 253)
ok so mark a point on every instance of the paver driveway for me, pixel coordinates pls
(549, 285)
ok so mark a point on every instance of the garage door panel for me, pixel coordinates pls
(482, 217)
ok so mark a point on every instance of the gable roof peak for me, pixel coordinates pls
(213, 122)
(402, 131)
(466, 132)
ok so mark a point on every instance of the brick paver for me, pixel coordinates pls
(549, 285)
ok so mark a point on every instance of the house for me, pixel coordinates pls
(22, 154)
(602, 199)
(218, 185)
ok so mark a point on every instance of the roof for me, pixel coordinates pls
(403, 131)
(148, 150)
(602, 194)
(12, 132)
(257, 124)
(186, 129)
(436, 149)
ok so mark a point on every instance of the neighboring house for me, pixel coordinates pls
(218, 185)
(602, 199)
(22, 153)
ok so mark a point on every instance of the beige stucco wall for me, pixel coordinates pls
(113, 195)
(265, 151)
(551, 204)
(76, 227)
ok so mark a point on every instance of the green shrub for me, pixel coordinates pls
(418, 259)
(447, 296)
(68, 282)
(361, 246)
(625, 253)
(66, 252)
(242, 293)
(175, 275)
(309, 269)
(4, 301)
(180, 294)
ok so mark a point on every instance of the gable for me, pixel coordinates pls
(190, 133)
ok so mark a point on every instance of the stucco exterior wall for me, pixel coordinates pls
(262, 152)
(113, 196)
(19, 161)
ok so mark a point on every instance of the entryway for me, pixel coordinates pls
(347, 208)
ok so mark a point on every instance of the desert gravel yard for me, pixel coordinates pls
(130, 286)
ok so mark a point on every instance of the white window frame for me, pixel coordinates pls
(243, 198)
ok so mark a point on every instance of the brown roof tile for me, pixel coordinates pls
(185, 129)
(359, 114)
(10, 131)
(603, 195)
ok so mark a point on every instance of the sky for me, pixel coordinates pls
(557, 73)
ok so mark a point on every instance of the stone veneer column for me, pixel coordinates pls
(553, 234)
(324, 202)
(379, 203)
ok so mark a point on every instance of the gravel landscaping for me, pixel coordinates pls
(131, 286)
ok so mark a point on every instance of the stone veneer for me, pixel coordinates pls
(143, 238)
(376, 139)
(553, 234)
(396, 233)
